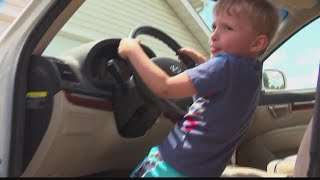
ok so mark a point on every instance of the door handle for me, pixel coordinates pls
(280, 110)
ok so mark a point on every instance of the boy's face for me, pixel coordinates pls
(233, 34)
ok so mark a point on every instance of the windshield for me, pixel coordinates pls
(104, 19)
(98, 20)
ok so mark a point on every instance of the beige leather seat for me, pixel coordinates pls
(235, 171)
(291, 166)
(288, 165)
(282, 166)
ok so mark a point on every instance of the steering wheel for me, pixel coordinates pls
(175, 109)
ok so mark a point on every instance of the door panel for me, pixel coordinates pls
(270, 138)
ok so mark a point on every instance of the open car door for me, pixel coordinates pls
(27, 35)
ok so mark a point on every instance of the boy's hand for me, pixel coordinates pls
(128, 45)
(195, 56)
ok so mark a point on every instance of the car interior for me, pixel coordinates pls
(86, 112)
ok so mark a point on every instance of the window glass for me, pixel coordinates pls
(207, 14)
(106, 19)
(298, 58)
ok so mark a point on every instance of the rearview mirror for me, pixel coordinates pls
(273, 79)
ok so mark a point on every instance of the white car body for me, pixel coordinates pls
(10, 48)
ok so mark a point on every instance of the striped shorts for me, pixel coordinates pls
(154, 166)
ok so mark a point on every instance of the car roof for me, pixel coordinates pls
(299, 12)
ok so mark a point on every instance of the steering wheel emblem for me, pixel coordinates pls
(175, 69)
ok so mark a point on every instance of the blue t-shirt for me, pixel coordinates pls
(228, 89)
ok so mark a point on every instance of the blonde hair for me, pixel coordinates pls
(263, 15)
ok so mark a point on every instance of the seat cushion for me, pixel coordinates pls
(282, 166)
(236, 171)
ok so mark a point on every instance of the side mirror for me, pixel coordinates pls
(273, 79)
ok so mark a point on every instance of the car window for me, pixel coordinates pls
(298, 58)
(105, 19)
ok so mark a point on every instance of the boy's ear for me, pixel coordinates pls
(260, 44)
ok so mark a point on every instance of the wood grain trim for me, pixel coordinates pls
(88, 101)
(296, 106)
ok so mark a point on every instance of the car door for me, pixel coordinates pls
(287, 100)
(25, 36)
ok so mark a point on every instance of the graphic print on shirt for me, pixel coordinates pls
(192, 120)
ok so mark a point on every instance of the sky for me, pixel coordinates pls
(1, 4)
(298, 58)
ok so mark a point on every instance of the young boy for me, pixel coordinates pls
(226, 87)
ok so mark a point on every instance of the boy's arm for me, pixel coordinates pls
(197, 57)
(155, 78)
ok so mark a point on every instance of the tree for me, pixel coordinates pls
(265, 79)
